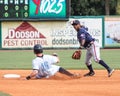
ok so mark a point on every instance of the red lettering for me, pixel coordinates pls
(37, 2)
(10, 42)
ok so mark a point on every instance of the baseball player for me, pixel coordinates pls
(44, 65)
(93, 49)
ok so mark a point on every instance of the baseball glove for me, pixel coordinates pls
(77, 55)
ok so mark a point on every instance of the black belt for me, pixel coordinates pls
(89, 45)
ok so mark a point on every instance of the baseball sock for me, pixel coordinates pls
(63, 71)
(104, 64)
(90, 68)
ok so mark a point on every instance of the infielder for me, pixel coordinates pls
(93, 49)
(44, 65)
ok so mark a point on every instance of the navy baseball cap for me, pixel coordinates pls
(75, 22)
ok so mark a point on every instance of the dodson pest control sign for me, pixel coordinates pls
(21, 35)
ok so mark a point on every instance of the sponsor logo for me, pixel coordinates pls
(24, 35)
(24, 31)
(48, 6)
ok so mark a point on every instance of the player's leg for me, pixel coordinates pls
(64, 71)
(89, 64)
(96, 55)
(95, 51)
(54, 69)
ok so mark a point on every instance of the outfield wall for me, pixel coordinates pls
(58, 34)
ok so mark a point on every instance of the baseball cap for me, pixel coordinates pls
(75, 22)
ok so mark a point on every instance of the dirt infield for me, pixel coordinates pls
(60, 85)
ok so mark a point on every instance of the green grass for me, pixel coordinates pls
(4, 94)
(21, 59)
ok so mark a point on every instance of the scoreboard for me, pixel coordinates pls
(34, 10)
(14, 9)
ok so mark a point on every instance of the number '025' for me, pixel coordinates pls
(45, 6)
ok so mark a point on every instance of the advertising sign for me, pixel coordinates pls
(47, 9)
(23, 35)
(50, 34)
(112, 32)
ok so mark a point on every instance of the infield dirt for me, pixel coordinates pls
(61, 85)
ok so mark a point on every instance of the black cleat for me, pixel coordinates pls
(89, 74)
(110, 72)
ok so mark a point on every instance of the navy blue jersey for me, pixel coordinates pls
(83, 34)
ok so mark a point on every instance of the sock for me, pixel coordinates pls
(90, 68)
(104, 65)
(63, 71)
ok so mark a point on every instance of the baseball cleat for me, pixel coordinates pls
(110, 72)
(89, 74)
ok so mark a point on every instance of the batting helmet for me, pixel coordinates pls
(38, 49)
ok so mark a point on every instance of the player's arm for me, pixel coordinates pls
(35, 70)
(82, 42)
(33, 74)
(57, 58)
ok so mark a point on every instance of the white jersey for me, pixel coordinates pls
(45, 65)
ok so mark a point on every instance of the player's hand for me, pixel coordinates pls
(28, 78)
(80, 48)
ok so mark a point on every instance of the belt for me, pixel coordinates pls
(90, 44)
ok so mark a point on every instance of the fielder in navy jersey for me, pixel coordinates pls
(93, 49)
